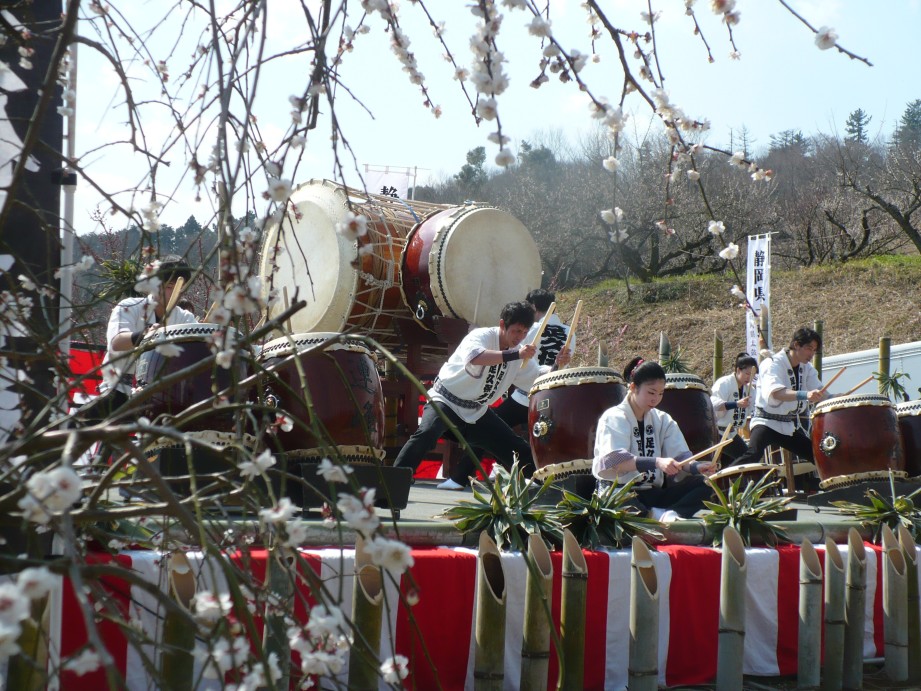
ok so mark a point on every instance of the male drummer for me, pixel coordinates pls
(514, 409)
(130, 320)
(486, 363)
(788, 383)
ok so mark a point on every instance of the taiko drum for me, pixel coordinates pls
(687, 400)
(909, 414)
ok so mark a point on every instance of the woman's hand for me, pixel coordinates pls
(669, 466)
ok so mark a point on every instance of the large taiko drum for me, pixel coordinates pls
(305, 254)
(468, 262)
(745, 473)
(856, 438)
(687, 400)
(173, 348)
(563, 412)
(346, 403)
(909, 414)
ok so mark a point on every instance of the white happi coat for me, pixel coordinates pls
(618, 430)
(551, 343)
(775, 375)
(727, 389)
(470, 389)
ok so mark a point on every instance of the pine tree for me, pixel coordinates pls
(856, 126)
(908, 132)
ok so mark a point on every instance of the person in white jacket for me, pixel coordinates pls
(733, 397)
(787, 385)
(636, 441)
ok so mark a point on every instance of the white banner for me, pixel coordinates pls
(758, 287)
(388, 180)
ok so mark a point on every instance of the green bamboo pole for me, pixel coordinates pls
(602, 354)
(665, 348)
(176, 662)
(489, 651)
(26, 670)
(538, 596)
(834, 617)
(643, 669)
(717, 356)
(731, 649)
(885, 347)
(855, 597)
(817, 326)
(281, 587)
(367, 615)
(572, 614)
(895, 606)
(810, 618)
(910, 551)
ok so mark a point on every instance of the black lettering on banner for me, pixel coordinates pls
(494, 377)
(551, 343)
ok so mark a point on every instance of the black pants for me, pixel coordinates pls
(489, 433)
(513, 413)
(102, 407)
(684, 498)
(762, 437)
(734, 450)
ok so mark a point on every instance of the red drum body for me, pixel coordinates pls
(748, 472)
(856, 438)
(344, 392)
(563, 412)
(687, 400)
(909, 414)
(307, 257)
(192, 344)
(468, 262)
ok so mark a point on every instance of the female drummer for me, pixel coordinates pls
(732, 397)
(635, 441)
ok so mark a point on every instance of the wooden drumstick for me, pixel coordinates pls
(719, 451)
(865, 381)
(284, 291)
(207, 317)
(476, 305)
(701, 454)
(173, 298)
(832, 381)
(573, 325)
(540, 331)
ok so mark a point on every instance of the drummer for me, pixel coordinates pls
(131, 319)
(787, 384)
(486, 363)
(732, 397)
(636, 441)
(514, 409)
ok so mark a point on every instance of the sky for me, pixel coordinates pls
(781, 81)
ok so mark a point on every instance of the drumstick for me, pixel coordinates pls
(865, 381)
(173, 298)
(832, 381)
(540, 331)
(476, 305)
(208, 313)
(573, 325)
(287, 305)
(701, 454)
(719, 451)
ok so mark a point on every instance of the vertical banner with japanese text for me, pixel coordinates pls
(758, 286)
(390, 181)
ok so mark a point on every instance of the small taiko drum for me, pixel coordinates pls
(346, 282)
(468, 262)
(171, 349)
(687, 400)
(747, 473)
(342, 405)
(855, 439)
(909, 414)
(563, 412)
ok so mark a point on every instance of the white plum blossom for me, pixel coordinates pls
(392, 555)
(283, 422)
(169, 349)
(280, 513)
(716, 228)
(738, 292)
(26, 282)
(296, 532)
(87, 661)
(611, 164)
(731, 251)
(505, 158)
(353, 226)
(224, 358)
(326, 622)
(693, 175)
(257, 466)
(50, 491)
(148, 281)
(279, 190)
(539, 27)
(395, 669)
(722, 6)
(9, 635)
(209, 607)
(332, 472)
(609, 216)
(359, 513)
(487, 108)
(826, 38)
(14, 608)
(737, 159)
(35, 582)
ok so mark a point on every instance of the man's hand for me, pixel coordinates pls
(564, 357)
(526, 352)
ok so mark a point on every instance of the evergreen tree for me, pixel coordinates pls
(793, 141)
(473, 174)
(856, 126)
(908, 132)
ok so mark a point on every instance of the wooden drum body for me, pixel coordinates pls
(687, 400)
(344, 390)
(195, 343)
(748, 472)
(306, 256)
(909, 414)
(856, 438)
(468, 262)
(564, 408)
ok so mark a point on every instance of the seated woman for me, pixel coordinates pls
(732, 397)
(635, 441)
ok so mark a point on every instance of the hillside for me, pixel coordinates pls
(858, 302)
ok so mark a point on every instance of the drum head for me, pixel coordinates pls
(486, 252)
(684, 380)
